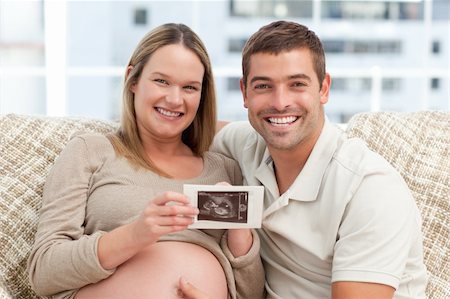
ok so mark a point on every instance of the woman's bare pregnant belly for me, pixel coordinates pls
(155, 273)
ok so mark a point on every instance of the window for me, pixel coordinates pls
(391, 84)
(441, 10)
(233, 84)
(362, 46)
(265, 8)
(372, 10)
(435, 83)
(140, 16)
(235, 45)
(356, 85)
(436, 47)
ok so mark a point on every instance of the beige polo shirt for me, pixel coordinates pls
(349, 216)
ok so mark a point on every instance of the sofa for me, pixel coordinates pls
(417, 144)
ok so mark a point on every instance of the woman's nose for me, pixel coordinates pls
(174, 96)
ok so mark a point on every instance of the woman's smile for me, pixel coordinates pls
(168, 113)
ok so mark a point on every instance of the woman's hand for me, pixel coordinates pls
(239, 241)
(189, 291)
(166, 213)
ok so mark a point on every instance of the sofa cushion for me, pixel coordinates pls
(28, 147)
(418, 146)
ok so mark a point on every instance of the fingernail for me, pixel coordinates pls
(183, 280)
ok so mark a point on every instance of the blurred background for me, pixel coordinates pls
(67, 58)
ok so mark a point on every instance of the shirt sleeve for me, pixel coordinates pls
(380, 223)
(63, 257)
(231, 139)
(247, 269)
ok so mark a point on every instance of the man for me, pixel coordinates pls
(339, 221)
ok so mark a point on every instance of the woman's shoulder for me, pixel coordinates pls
(91, 139)
(92, 143)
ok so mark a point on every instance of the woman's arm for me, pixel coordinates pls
(63, 257)
(248, 269)
(157, 219)
(239, 241)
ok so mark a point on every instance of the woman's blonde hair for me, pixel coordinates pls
(199, 135)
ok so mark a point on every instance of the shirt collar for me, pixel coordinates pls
(307, 184)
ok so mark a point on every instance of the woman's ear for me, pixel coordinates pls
(127, 73)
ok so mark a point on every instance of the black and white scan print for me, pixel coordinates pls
(223, 206)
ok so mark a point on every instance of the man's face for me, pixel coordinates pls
(284, 98)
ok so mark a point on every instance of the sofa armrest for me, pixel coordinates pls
(4, 294)
(28, 147)
(417, 144)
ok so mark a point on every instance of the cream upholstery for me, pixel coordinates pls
(417, 144)
(28, 147)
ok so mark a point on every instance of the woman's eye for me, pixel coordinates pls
(162, 81)
(190, 87)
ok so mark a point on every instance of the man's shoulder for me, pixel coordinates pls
(239, 141)
(356, 156)
(238, 134)
(241, 127)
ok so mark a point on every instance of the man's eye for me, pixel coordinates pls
(299, 84)
(262, 86)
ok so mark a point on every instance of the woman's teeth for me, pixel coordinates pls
(168, 113)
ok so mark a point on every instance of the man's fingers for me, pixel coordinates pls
(188, 291)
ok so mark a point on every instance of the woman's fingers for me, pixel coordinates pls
(171, 204)
(170, 221)
(170, 196)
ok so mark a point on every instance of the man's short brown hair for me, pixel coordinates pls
(281, 36)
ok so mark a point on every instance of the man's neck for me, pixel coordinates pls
(289, 163)
(287, 166)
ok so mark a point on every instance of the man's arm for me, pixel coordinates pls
(357, 290)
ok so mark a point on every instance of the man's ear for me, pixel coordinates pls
(325, 89)
(243, 91)
(127, 73)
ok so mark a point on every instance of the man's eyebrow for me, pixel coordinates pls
(300, 76)
(259, 78)
(295, 76)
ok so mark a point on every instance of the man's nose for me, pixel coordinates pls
(281, 98)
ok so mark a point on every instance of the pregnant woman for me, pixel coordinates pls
(114, 221)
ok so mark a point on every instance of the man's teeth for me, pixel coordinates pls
(168, 113)
(282, 120)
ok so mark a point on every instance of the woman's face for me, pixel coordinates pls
(167, 94)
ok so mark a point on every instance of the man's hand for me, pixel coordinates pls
(188, 291)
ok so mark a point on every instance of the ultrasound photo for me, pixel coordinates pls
(223, 206)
